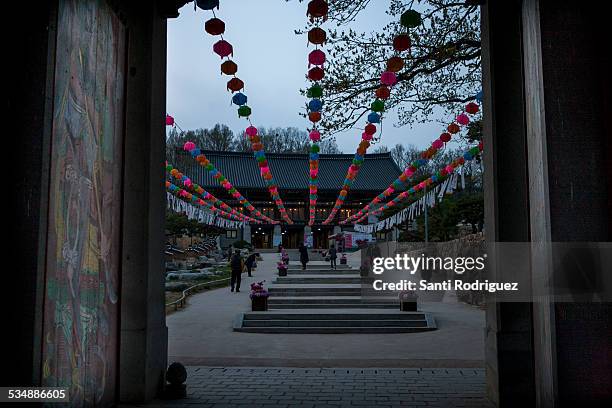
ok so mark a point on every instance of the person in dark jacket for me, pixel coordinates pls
(303, 255)
(332, 257)
(229, 253)
(237, 265)
(250, 261)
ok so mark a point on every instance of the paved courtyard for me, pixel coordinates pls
(202, 335)
(342, 387)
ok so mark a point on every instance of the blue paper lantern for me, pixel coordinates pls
(207, 4)
(468, 156)
(374, 117)
(239, 99)
(479, 96)
(315, 105)
(196, 152)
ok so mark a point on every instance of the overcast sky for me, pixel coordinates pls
(272, 61)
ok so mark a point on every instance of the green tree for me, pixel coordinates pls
(442, 69)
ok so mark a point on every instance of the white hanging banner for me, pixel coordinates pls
(202, 216)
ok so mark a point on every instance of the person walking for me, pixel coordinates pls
(332, 257)
(250, 262)
(237, 265)
(303, 255)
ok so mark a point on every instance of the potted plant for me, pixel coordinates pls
(285, 257)
(259, 297)
(343, 259)
(408, 301)
(282, 268)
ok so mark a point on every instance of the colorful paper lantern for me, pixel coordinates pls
(383, 92)
(462, 119)
(317, 35)
(395, 64)
(410, 19)
(244, 111)
(317, 8)
(378, 106)
(401, 42)
(235, 85)
(453, 128)
(207, 4)
(315, 91)
(239, 99)
(169, 120)
(251, 131)
(314, 135)
(223, 48)
(316, 57)
(445, 137)
(314, 116)
(374, 117)
(472, 108)
(370, 129)
(388, 78)
(316, 74)
(315, 105)
(437, 144)
(214, 26)
(229, 67)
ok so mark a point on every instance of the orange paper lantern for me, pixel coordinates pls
(395, 64)
(229, 67)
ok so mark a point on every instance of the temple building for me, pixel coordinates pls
(290, 171)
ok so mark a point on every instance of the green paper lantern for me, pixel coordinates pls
(474, 150)
(315, 148)
(315, 91)
(210, 167)
(410, 19)
(244, 111)
(378, 106)
(169, 168)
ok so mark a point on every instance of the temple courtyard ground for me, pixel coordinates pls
(440, 368)
(202, 335)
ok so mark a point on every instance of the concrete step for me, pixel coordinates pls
(315, 290)
(298, 267)
(320, 279)
(331, 300)
(343, 271)
(325, 321)
(284, 306)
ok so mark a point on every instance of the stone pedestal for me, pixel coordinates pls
(246, 232)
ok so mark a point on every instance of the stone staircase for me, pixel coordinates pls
(322, 300)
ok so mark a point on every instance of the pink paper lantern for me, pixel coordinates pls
(189, 146)
(463, 119)
(316, 57)
(314, 135)
(169, 120)
(388, 78)
(251, 131)
(449, 169)
(223, 48)
(366, 136)
(437, 144)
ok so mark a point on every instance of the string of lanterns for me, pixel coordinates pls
(195, 189)
(317, 11)
(440, 175)
(224, 49)
(224, 182)
(401, 43)
(453, 128)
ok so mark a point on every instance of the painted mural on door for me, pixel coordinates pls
(82, 266)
